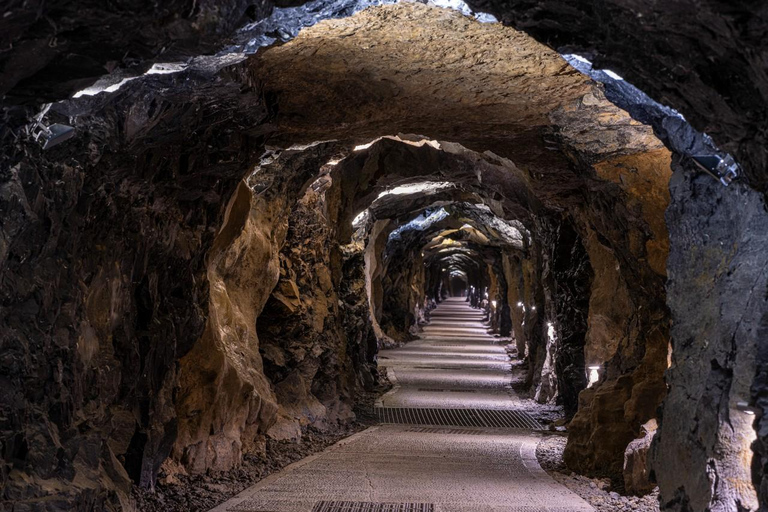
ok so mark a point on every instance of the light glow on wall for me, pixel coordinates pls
(593, 375)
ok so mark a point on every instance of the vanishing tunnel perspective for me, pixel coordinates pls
(382, 255)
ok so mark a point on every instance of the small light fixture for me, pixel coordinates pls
(56, 134)
(493, 303)
(593, 375)
(725, 169)
(519, 304)
(52, 135)
(746, 408)
(549, 324)
(533, 308)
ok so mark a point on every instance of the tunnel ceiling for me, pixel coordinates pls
(706, 59)
(512, 96)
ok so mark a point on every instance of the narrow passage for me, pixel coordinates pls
(435, 450)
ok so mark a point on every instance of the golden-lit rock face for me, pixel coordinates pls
(562, 147)
(417, 69)
(645, 177)
(225, 400)
(225, 403)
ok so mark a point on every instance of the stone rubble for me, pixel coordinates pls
(596, 491)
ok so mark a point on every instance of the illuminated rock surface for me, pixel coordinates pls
(178, 285)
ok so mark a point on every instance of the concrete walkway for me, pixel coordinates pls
(424, 464)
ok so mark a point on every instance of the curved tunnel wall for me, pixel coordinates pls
(139, 186)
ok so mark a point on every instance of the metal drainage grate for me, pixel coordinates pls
(434, 430)
(445, 368)
(366, 506)
(433, 390)
(457, 417)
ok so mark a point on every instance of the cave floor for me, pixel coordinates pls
(423, 467)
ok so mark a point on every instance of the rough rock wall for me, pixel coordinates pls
(705, 58)
(709, 67)
(684, 140)
(609, 174)
(301, 330)
(608, 303)
(701, 454)
(374, 270)
(399, 298)
(403, 288)
(728, 492)
(52, 49)
(512, 265)
(535, 320)
(104, 287)
(612, 412)
(572, 275)
(362, 345)
(145, 267)
(625, 329)
(497, 291)
(738, 64)
(224, 400)
(524, 309)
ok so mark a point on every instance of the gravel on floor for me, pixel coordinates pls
(198, 493)
(597, 492)
(549, 415)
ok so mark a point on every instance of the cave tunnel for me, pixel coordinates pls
(365, 255)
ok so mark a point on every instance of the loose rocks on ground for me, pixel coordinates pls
(595, 491)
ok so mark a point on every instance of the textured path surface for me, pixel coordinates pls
(428, 464)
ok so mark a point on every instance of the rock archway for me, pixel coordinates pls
(201, 319)
(573, 152)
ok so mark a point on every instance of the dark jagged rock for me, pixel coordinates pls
(572, 276)
(362, 345)
(718, 255)
(704, 59)
(53, 49)
(103, 281)
(302, 337)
